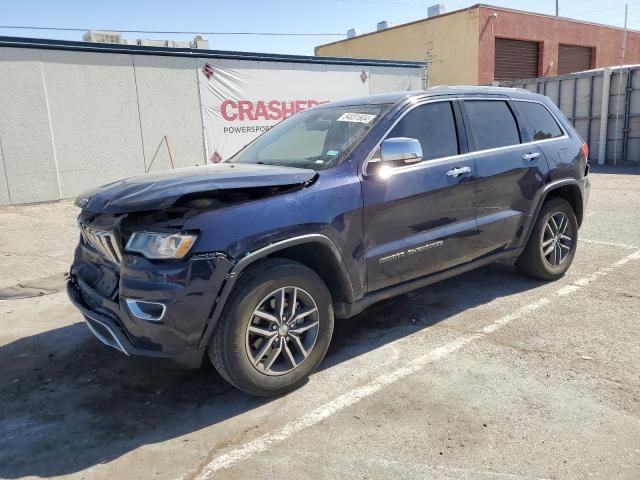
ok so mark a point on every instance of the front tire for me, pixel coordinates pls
(553, 241)
(275, 329)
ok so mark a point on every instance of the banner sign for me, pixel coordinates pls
(242, 99)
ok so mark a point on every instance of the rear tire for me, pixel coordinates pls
(553, 241)
(275, 329)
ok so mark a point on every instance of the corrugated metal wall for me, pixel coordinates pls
(579, 96)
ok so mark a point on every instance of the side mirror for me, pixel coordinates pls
(400, 150)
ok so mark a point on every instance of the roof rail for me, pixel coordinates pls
(476, 87)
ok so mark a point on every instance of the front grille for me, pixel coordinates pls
(104, 241)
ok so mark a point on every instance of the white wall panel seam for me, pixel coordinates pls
(135, 81)
(53, 141)
(4, 170)
(202, 130)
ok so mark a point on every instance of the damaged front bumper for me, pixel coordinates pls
(182, 296)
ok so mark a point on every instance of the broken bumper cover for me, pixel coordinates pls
(187, 290)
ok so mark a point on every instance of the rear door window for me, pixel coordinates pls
(434, 126)
(492, 124)
(539, 121)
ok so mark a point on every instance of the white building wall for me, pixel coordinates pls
(94, 117)
(166, 109)
(394, 79)
(25, 132)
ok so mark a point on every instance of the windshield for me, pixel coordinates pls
(318, 138)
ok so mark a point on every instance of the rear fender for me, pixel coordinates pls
(577, 203)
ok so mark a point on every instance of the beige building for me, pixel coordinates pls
(482, 44)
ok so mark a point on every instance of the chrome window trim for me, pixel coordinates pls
(461, 156)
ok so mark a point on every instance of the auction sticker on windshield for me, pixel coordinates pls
(356, 117)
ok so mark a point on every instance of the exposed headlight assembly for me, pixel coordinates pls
(161, 246)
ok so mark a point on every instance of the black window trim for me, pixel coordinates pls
(458, 125)
(523, 134)
(467, 153)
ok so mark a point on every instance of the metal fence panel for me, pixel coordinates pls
(633, 116)
(615, 130)
(551, 90)
(579, 96)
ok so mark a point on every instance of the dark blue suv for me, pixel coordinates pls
(338, 207)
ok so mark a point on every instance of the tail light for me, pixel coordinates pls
(584, 156)
(584, 152)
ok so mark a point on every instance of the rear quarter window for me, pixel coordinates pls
(539, 121)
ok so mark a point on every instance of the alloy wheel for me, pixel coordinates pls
(557, 239)
(282, 331)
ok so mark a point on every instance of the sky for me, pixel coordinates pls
(279, 16)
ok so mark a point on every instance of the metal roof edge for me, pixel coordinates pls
(553, 17)
(485, 6)
(70, 45)
(412, 22)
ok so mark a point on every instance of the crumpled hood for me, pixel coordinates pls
(155, 191)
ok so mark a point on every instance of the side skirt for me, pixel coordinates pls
(347, 310)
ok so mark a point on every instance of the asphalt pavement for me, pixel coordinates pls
(485, 376)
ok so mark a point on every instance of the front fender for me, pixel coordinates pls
(328, 212)
(261, 253)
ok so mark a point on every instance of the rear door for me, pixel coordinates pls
(544, 129)
(419, 218)
(510, 171)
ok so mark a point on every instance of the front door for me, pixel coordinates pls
(420, 218)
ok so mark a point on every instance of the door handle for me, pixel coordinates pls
(456, 172)
(531, 156)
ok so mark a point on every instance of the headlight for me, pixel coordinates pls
(161, 245)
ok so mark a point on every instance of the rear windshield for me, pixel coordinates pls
(318, 138)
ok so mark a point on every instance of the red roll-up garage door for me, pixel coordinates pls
(572, 58)
(516, 59)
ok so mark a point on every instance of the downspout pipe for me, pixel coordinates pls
(604, 116)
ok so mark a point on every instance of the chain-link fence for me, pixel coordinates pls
(583, 96)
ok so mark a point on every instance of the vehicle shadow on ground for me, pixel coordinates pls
(68, 403)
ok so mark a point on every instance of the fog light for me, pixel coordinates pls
(149, 311)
